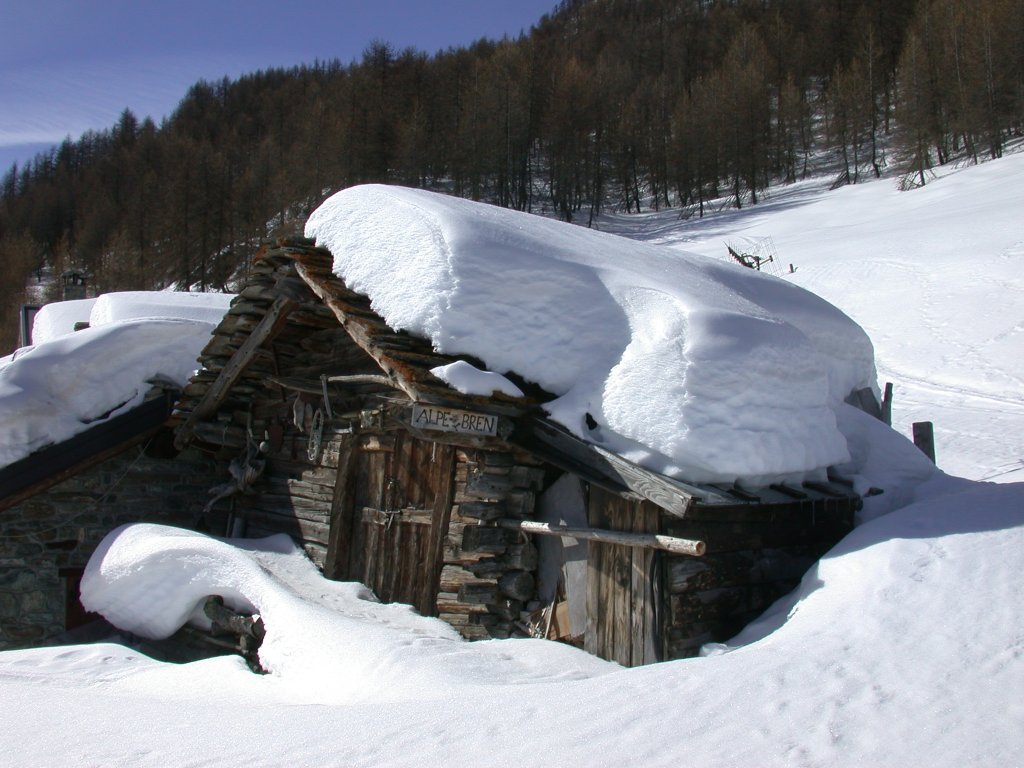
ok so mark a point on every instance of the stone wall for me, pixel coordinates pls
(45, 541)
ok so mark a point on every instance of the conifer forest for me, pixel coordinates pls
(621, 105)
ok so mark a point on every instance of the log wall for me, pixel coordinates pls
(755, 555)
(487, 577)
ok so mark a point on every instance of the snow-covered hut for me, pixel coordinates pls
(522, 426)
(84, 447)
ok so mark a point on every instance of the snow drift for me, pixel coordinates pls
(689, 366)
(329, 642)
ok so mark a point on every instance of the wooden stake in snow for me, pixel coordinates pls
(924, 438)
(671, 544)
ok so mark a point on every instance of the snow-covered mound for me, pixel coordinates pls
(689, 366)
(69, 380)
(328, 641)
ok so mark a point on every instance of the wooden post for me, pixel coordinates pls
(887, 404)
(924, 438)
(671, 544)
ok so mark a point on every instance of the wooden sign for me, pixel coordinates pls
(453, 420)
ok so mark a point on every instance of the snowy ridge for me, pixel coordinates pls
(329, 642)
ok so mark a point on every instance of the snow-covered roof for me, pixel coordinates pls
(688, 366)
(70, 380)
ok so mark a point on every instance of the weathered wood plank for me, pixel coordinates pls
(672, 544)
(285, 507)
(593, 636)
(482, 511)
(294, 526)
(454, 576)
(271, 324)
(444, 462)
(477, 538)
(339, 541)
(603, 468)
(731, 569)
(639, 600)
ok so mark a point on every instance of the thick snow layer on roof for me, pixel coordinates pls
(58, 319)
(52, 391)
(689, 366)
(132, 305)
(69, 379)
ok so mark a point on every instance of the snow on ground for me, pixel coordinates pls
(669, 353)
(934, 275)
(69, 380)
(904, 646)
(331, 643)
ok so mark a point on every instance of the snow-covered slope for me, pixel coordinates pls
(934, 275)
(903, 647)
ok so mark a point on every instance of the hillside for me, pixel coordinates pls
(933, 275)
(901, 647)
(605, 104)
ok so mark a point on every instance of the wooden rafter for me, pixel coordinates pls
(271, 324)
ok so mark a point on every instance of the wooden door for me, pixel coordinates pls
(392, 505)
(622, 584)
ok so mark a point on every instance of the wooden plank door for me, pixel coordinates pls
(621, 615)
(393, 503)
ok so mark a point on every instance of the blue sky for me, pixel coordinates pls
(67, 66)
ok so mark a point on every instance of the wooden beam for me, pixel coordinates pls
(363, 378)
(887, 404)
(271, 324)
(336, 565)
(614, 473)
(315, 386)
(433, 563)
(671, 544)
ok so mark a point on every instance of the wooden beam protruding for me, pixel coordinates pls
(671, 544)
(271, 324)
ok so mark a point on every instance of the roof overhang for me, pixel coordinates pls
(56, 463)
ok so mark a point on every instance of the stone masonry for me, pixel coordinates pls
(47, 539)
